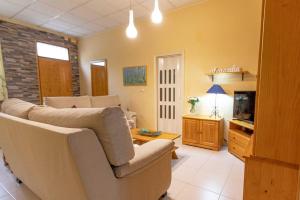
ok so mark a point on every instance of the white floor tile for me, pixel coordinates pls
(218, 164)
(184, 174)
(196, 161)
(194, 193)
(235, 183)
(176, 187)
(224, 198)
(213, 181)
(7, 197)
(2, 192)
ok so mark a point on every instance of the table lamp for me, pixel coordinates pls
(215, 89)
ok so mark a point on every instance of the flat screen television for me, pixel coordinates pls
(244, 105)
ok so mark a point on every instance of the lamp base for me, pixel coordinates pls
(215, 112)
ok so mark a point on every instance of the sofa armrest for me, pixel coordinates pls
(145, 155)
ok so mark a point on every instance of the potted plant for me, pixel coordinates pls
(193, 101)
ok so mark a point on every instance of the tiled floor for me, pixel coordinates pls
(201, 174)
(198, 174)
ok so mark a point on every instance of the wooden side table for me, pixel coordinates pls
(203, 131)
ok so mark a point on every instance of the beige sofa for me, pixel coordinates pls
(90, 102)
(92, 159)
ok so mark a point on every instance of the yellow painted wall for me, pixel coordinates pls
(213, 33)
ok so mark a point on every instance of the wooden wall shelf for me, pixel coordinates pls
(241, 73)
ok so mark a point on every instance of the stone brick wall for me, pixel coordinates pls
(20, 59)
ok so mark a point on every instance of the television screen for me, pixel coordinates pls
(244, 105)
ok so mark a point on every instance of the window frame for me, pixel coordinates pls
(47, 43)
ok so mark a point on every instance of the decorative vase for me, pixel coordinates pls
(192, 110)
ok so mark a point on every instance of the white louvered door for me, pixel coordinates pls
(169, 93)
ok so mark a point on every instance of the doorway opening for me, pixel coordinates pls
(99, 78)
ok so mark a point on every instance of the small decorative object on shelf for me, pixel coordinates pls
(231, 69)
(234, 69)
(193, 101)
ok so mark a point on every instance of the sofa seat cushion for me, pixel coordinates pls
(109, 124)
(144, 156)
(68, 102)
(105, 101)
(17, 108)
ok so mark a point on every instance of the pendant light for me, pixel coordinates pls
(156, 15)
(131, 31)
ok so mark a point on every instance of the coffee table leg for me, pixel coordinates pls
(174, 155)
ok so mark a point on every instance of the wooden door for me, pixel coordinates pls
(99, 80)
(273, 172)
(55, 77)
(209, 135)
(169, 93)
(277, 123)
(191, 131)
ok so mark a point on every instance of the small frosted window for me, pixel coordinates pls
(99, 63)
(51, 51)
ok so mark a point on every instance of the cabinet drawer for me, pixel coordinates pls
(212, 123)
(236, 149)
(238, 138)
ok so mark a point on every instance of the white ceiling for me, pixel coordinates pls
(81, 17)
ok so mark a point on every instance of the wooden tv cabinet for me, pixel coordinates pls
(240, 138)
(202, 131)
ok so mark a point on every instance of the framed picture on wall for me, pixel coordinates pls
(135, 76)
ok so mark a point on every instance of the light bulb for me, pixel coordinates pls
(131, 31)
(156, 15)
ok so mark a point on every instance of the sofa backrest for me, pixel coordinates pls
(105, 101)
(83, 101)
(68, 102)
(55, 162)
(17, 108)
(109, 124)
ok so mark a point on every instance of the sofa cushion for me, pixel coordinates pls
(105, 101)
(17, 108)
(144, 156)
(109, 124)
(68, 102)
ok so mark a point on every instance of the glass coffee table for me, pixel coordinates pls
(141, 139)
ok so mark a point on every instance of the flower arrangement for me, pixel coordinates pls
(193, 101)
